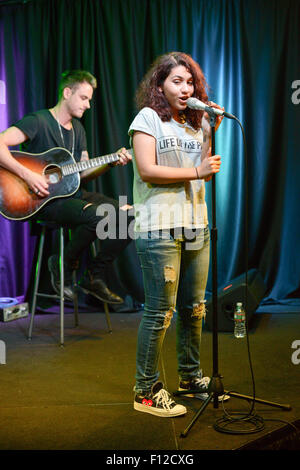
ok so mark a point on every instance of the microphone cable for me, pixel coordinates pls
(233, 422)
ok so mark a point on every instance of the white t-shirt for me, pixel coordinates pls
(166, 206)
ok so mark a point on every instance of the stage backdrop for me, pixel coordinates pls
(249, 51)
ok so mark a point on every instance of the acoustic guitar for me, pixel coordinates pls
(19, 202)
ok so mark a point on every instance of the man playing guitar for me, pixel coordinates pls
(60, 127)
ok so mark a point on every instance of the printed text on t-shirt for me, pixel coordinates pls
(165, 144)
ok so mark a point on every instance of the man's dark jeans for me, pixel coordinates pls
(79, 214)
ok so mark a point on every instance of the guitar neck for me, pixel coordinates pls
(87, 164)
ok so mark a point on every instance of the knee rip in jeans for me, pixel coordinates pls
(170, 274)
(168, 318)
(199, 310)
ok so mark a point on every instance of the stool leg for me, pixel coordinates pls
(93, 249)
(75, 300)
(62, 286)
(107, 315)
(37, 280)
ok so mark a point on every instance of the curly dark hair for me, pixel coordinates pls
(148, 93)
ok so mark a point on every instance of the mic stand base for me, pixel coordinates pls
(215, 390)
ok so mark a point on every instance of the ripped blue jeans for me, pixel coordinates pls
(175, 275)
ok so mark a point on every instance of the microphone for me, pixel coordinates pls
(194, 103)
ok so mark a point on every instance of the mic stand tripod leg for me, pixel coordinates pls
(199, 412)
(215, 389)
(285, 407)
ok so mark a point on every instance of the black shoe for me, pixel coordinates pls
(130, 305)
(158, 402)
(97, 287)
(200, 388)
(53, 266)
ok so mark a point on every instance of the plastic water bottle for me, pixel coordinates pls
(239, 321)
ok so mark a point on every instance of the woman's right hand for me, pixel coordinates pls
(209, 167)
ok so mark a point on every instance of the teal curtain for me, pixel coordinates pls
(249, 51)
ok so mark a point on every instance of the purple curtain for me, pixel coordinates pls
(16, 244)
(16, 256)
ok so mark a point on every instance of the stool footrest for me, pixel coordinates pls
(51, 296)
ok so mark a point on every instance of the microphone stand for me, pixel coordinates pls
(215, 388)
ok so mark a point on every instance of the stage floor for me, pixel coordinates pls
(79, 397)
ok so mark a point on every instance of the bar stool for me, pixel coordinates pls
(48, 226)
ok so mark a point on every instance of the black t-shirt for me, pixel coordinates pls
(43, 133)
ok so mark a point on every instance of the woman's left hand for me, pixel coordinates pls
(206, 118)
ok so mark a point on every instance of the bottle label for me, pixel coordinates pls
(239, 316)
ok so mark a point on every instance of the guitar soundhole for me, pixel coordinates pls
(53, 174)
